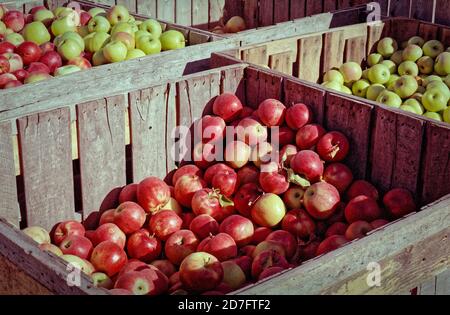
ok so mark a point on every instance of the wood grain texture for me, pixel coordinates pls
(101, 137)
(233, 81)
(200, 14)
(353, 119)
(47, 167)
(261, 85)
(313, 7)
(129, 4)
(309, 57)
(9, 207)
(400, 8)
(422, 10)
(166, 10)
(374, 34)
(250, 13)
(147, 8)
(183, 12)
(333, 50)
(281, 11)
(297, 9)
(428, 31)
(216, 12)
(257, 55)
(442, 15)
(355, 49)
(281, 62)
(403, 29)
(266, 12)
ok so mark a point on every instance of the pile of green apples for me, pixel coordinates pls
(415, 78)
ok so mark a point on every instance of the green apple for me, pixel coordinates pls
(387, 47)
(98, 41)
(152, 26)
(351, 71)
(416, 105)
(87, 40)
(346, 90)
(36, 32)
(446, 115)
(135, 53)
(140, 33)
(333, 85)
(118, 13)
(408, 108)
(15, 38)
(365, 74)
(172, 40)
(435, 100)
(333, 75)
(430, 79)
(442, 64)
(148, 44)
(406, 86)
(115, 51)
(69, 49)
(37, 77)
(374, 59)
(390, 99)
(44, 16)
(379, 74)
(101, 280)
(391, 65)
(132, 19)
(374, 91)
(408, 68)
(447, 81)
(390, 84)
(416, 40)
(98, 58)
(70, 35)
(99, 24)
(2, 28)
(360, 87)
(63, 25)
(125, 38)
(433, 48)
(440, 85)
(426, 65)
(9, 31)
(64, 70)
(122, 27)
(412, 53)
(97, 11)
(62, 12)
(432, 115)
(397, 57)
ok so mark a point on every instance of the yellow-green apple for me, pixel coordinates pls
(98, 41)
(2, 28)
(447, 81)
(412, 53)
(140, 33)
(268, 211)
(235, 24)
(374, 59)
(390, 99)
(201, 272)
(416, 40)
(38, 234)
(233, 275)
(96, 11)
(79, 263)
(374, 90)
(333, 75)
(62, 25)
(346, 90)
(125, 38)
(365, 74)
(14, 20)
(71, 14)
(442, 64)
(81, 62)
(148, 44)
(36, 32)
(44, 16)
(433, 115)
(172, 39)
(360, 87)
(135, 53)
(69, 49)
(15, 38)
(98, 58)
(59, 10)
(70, 35)
(415, 104)
(397, 57)
(446, 115)
(115, 51)
(99, 24)
(408, 68)
(440, 85)
(2, 11)
(68, 69)
(333, 85)
(426, 65)
(433, 48)
(51, 248)
(391, 65)
(15, 61)
(122, 27)
(351, 72)
(101, 280)
(379, 73)
(408, 108)
(118, 13)
(435, 99)
(37, 77)
(406, 86)
(387, 47)
(430, 79)
(152, 26)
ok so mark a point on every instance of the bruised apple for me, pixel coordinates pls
(293, 198)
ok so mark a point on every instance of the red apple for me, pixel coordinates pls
(287, 153)
(213, 171)
(205, 154)
(143, 246)
(269, 245)
(239, 228)
(245, 197)
(248, 174)
(222, 246)
(14, 20)
(81, 62)
(273, 179)
(227, 106)
(308, 136)
(186, 187)
(92, 220)
(399, 202)
(109, 232)
(379, 223)
(293, 197)
(46, 47)
(308, 164)
(165, 266)
(282, 136)
(85, 17)
(203, 226)
(285, 239)
(6, 47)
(261, 154)
(251, 131)
(358, 229)
(362, 187)
(246, 112)
(165, 223)
(29, 51)
(210, 202)
(107, 217)
(333, 147)
(237, 154)
(245, 262)
(308, 250)
(298, 116)
(180, 245)
(187, 218)
(321, 200)
(76, 245)
(133, 265)
(299, 223)
(260, 234)
(15, 63)
(362, 208)
(4, 65)
(109, 258)
(129, 217)
(52, 59)
(128, 193)
(331, 243)
(12, 84)
(267, 259)
(225, 182)
(187, 170)
(338, 215)
(201, 272)
(63, 229)
(120, 292)
(210, 129)
(271, 112)
(5, 78)
(152, 194)
(337, 228)
(38, 67)
(338, 175)
(33, 10)
(247, 250)
(175, 278)
(145, 282)
(268, 211)
(269, 272)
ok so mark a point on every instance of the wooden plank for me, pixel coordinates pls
(409, 252)
(297, 9)
(329, 5)
(374, 34)
(445, 36)
(261, 85)
(165, 10)
(442, 15)
(200, 15)
(403, 29)
(257, 55)
(443, 283)
(309, 58)
(148, 132)
(399, 8)
(9, 207)
(436, 166)
(428, 31)
(129, 4)
(183, 13)
(355, 49)
(147, 8)
(266, 12)
(281, 62)
(250, 13)
(171, 124)
(216, 12)
(313, 7)
(352, 118)
(47, 167)
(233, 81)
(101, 137)
(422, 10)
(281, 11)
(233, 8)
(333, 50)
(297, 92)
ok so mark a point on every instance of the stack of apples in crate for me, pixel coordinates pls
(45, 43)
(281, 195)
(235, 24)
(415, 78)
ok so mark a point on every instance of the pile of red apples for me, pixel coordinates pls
(215, 227)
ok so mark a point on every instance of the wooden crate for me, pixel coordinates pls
(389, 148)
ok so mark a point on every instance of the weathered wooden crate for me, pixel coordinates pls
(389, 148)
